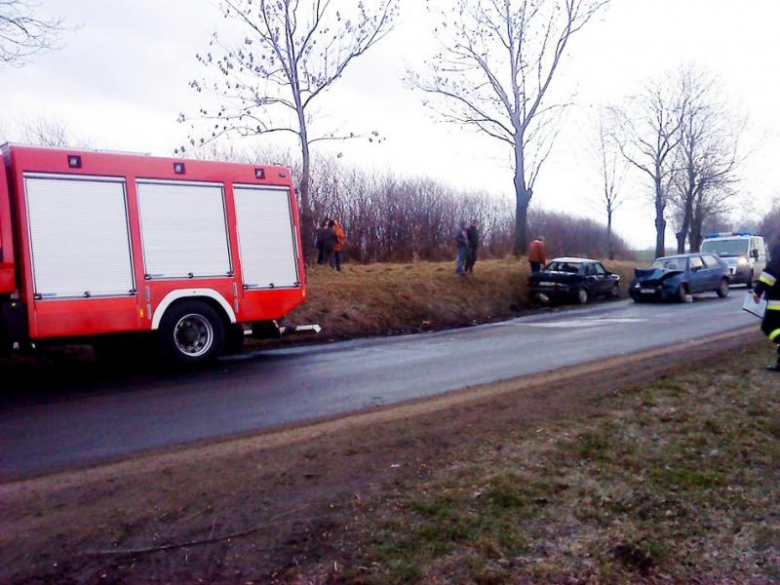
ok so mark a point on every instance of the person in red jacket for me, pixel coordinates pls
(341, 239)
(537, 254)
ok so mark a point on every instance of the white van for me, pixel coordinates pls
(745, 253)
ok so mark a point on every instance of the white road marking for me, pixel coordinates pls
(582, 323)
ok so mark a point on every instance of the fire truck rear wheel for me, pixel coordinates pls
(191, 332)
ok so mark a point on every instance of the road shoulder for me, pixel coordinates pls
(287, 495)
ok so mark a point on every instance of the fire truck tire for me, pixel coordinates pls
(191, 333)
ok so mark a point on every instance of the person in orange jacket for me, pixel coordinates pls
(537, 254)
(341, 240)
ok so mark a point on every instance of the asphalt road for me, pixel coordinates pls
(78, 415)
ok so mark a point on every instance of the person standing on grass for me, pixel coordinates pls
(462, 244)
(321, 236)
(327, 236)
(769, 287)
(537, 254)
(472, 234)
(341, 239)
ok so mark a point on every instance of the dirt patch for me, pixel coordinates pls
(293, 504)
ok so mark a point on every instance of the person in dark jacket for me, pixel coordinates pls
(320, 237)
(472, 234)
(462, 244)
(326, 243)
(769, 287)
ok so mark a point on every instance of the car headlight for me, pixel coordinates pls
(743, 261)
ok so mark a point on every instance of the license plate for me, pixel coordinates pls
(647, 291)
(547, 284)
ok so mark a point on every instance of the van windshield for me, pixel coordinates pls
(726, 248)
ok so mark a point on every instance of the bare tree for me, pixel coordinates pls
(43, 131)
(648, 133)
(23, 33)
(494, 73)
(712, 205)
(769, 223)
(612, 169)
(707, 159)
(290, 54)
(49, 132)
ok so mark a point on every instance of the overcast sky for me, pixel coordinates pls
(122, 79)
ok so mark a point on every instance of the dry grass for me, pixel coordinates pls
(381, 299)
(681, 482)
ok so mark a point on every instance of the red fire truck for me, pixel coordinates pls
(101, 247)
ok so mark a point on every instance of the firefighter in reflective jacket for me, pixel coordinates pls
(769, 287)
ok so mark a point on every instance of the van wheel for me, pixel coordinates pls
(191, 333)
(723, 288)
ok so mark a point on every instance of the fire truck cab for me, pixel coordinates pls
(186, 254)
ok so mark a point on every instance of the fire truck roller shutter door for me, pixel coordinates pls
(79, 237)
(184, 230)
(267, 238)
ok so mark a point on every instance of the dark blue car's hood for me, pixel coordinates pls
(655, 273)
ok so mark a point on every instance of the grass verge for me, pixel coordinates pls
(379, 299)
(680, 482)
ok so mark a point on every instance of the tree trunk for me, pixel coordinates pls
(610, 243)
(307, 220)
(523, 200)
(689, 195)
(308, 228)
(521, 224)
(696, 232)
(660, 222)
(686, 226)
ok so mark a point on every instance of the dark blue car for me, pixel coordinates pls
(675, 278)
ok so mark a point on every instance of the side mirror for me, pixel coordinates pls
(754, 254)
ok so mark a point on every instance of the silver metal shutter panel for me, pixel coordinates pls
(266, 236)
(184, 230)
(80, 237)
